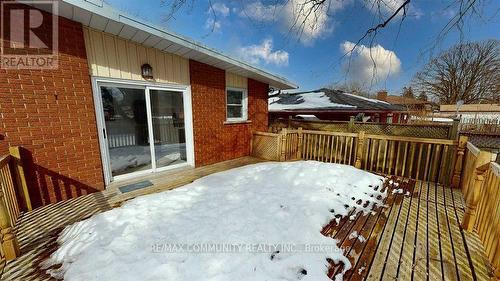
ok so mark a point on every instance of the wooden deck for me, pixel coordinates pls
(415, 237)
(38, 230)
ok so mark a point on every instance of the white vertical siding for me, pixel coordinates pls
(236, 81)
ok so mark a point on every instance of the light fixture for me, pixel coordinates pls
(147, 71)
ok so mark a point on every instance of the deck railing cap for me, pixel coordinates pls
(472, 148)
(495, 167)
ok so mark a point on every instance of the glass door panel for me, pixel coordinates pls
(167, 112)
(127, 134)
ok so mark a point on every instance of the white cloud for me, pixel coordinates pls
(220, 9)
(260, 12)
(388, 7)
(264, 53)
(299, 17)
(308, 22)
(213, 25)
(369, 65)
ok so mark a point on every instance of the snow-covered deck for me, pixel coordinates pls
(415, 235)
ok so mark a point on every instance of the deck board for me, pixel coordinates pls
(420, 259)
(412, 237)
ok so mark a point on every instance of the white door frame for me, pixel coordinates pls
(147, 86)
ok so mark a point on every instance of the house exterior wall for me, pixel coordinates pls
(113, 57)
(51, 114)
(215, 140)
(236, 81)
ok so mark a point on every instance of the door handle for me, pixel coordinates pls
(104, 132)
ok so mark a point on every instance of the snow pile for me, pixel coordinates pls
(258, 207)
(310, 100)
(398, 191)
(357, 235)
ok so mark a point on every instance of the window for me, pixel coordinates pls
(236, 105)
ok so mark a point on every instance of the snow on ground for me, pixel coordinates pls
(357, 235)
(309, 101)
(125, 157)
(268, 216)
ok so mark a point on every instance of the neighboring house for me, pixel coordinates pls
(326, 104)
(126, 99)
(473, 113)
(410, 104)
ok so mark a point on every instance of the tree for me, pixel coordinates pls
(351, 87)
(422, 96)
(408, 92)
(468, 72)
(307, 15)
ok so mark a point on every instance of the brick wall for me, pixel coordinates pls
(215, 141)
(51, 114)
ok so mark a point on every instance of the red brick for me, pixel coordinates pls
(215, 141)
(55, 132)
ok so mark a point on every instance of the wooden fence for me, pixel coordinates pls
(481, 189)
(435, 131)
(416, 158)
(14, 198)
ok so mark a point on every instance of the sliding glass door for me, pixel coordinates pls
(127, 132)
(143, 128)
(167, 112)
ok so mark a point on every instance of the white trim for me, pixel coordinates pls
(138, 83)
(472, 148)
(151, 137)
(244, 104)
(146, 86)
(188, 125)
(99, 114)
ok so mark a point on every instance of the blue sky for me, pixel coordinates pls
(259, 32)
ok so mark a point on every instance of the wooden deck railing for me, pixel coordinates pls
(456, 163)
(481, 188)
(416, 158)
(14, 199)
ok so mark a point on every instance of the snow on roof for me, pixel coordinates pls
(307, 101)
(328, 99)
(366, 99)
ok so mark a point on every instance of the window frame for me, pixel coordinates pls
(244, 105)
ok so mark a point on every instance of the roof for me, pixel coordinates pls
(328, 100)
(400, 100)
(101, 16)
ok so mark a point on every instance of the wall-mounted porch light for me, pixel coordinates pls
(147, 71)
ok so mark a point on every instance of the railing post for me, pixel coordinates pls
(453, 131)
(299, 143)
(350, 125)
(359, 149)
(459, 160)
(8, 239)
(283, 145)
(20, 177)
(472, 198)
